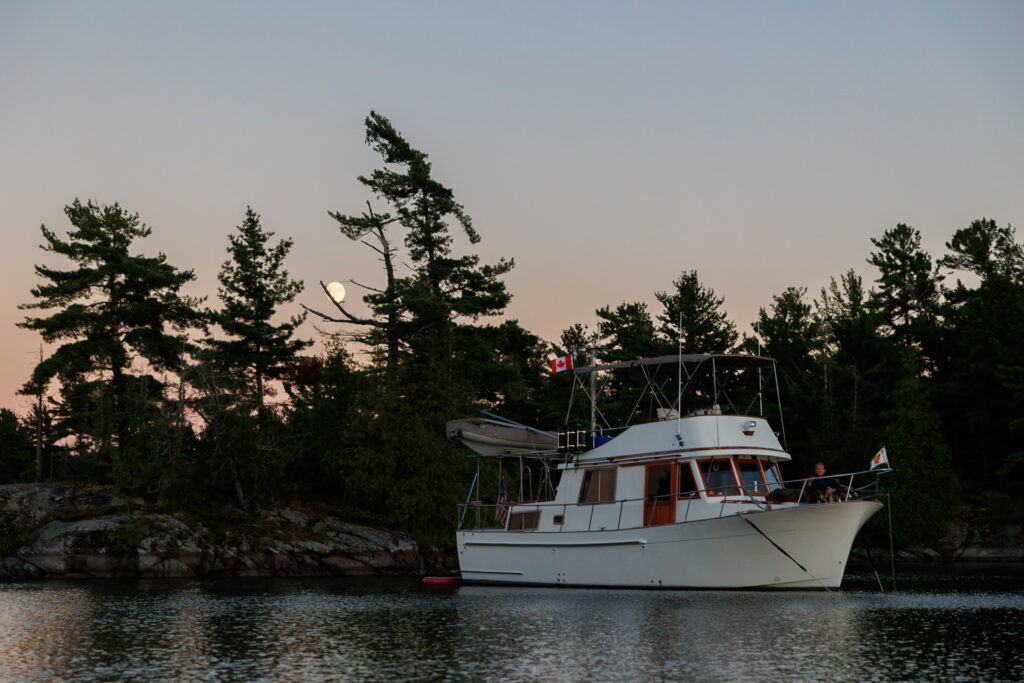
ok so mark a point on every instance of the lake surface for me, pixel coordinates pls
(939, 626)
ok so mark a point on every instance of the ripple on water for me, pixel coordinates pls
(397, 630)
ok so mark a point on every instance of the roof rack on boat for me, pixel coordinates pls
(689, 366)
(722, 360)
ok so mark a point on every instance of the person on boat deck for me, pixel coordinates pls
(819, 487)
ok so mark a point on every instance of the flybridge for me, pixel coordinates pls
(494, 436)
(704, 384)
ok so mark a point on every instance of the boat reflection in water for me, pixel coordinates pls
(681, 501)
(937, 628)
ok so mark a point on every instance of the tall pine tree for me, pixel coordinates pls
(440, 363)
(981, 361)
(111, 308)
(253, 286)
(908, 288)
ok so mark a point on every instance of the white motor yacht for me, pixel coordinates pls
(691, 500)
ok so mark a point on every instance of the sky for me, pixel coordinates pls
(605, 146)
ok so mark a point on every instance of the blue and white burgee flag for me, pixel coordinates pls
(880, 459)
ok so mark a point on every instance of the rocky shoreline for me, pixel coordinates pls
(80, 531)
(988, 528)
(72, 531)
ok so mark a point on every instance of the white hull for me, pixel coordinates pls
(724, 552)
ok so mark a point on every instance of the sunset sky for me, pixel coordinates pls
(605, 146)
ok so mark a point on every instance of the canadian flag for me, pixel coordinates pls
(561, 364)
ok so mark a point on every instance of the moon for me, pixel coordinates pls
(336, 291)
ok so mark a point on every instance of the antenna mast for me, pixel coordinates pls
(679, 386)
(593, 385)
(760, 393)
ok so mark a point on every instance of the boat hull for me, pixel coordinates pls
(799, 547)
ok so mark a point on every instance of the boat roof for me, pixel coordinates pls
(721, 360)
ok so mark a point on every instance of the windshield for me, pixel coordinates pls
(718, 477)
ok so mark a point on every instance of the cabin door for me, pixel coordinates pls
(660, 495)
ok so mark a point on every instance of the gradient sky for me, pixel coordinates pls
(606, 146)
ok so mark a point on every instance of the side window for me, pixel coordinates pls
(523, 520)
(598, 486)
(750, 475)
(687, 484)
(718, 477)
(771, 474)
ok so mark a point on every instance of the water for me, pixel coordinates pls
(939, 626)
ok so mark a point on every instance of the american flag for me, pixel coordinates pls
(501, 511)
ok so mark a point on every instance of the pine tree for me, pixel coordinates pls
(862, 368)
(705, 327)
(425, 318)
(253, 286)
(16, 452)
(112, 307)
(908, 287)
(628, 332)
(791, 335)
(981, 357)
(924, 485)
(439, 362)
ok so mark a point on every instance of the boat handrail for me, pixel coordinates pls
(849, 487)
(736, 494)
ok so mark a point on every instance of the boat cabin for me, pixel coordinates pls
(671, 469)
(649, 476)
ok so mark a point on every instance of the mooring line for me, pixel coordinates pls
(873, 568)
(779, 548)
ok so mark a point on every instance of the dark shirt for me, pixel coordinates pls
(816, 488)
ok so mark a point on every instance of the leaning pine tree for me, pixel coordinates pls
(424, 323)
(425, 319)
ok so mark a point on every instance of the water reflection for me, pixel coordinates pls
(936, 627)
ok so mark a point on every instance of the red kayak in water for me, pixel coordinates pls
(442, 580)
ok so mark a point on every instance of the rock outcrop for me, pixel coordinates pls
(987, 528)
(86, 531)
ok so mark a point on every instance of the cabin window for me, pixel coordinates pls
(718, 477)
(687, 484)
(752, 478)
(771, 474)
(524, 520)
(598, 486)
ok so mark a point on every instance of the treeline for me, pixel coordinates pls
(194, 403)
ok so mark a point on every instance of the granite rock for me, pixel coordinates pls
(88, 531)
